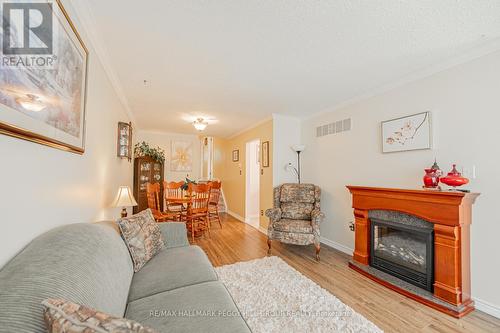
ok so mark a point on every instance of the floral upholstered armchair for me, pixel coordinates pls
(296, 216)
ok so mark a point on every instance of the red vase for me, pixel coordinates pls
(454, 178)
(431, 178)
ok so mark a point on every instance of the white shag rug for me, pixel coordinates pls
(274, 297)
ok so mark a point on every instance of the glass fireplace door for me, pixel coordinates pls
(403, 251)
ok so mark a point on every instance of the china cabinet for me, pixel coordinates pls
(146, 170)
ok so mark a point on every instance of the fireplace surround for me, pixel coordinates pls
(449, 214)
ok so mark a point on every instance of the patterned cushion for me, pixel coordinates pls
(297, 193)
(294, 226)
(296, 210)
(66, 317)
(142, 236)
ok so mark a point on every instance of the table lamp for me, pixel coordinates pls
(124, 199)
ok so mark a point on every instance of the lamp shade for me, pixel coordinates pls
(298, 148)
(124, 198)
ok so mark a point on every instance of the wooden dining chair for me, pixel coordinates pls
(174, 190)
(197, 213)
(153, 195)
(213, 203)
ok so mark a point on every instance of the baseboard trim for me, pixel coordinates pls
(337, 246)
(486, 307)
(236, 216)
(263, 230)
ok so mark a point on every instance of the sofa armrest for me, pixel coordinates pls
(274, 214)
(174, 234)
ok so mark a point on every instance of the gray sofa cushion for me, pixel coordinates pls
(85, 263)
(216, 310)
(170, 269)
(174, 234)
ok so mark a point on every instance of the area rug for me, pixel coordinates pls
(274, 297)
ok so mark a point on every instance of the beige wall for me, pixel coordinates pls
(219, 158)
(464, 102)
(164, 141)
(43, 187)
(233, 182)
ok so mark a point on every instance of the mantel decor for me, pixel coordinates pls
(449, 214)
(143, 149)
(45, 102)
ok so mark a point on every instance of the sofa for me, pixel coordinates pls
(88, 263)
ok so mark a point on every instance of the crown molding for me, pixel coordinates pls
(158, 132)
(87, 21)
(469, 56)
(246, 129)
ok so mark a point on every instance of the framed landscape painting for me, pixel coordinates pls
(407, 133)
(44, 102)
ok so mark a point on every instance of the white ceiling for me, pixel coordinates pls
(239, 61)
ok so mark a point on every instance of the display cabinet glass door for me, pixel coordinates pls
(146, 170)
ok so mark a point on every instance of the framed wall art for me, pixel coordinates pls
(407, 133)
(181, 156)
(44, 102)
(265, 154)
(236, 155)
(124, 140)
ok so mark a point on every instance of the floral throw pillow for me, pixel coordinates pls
(142, 236)
(62, 316)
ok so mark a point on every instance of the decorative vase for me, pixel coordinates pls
(454, 178)
(431, 178)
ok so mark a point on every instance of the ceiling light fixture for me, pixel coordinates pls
(31, 103)
(200, 124)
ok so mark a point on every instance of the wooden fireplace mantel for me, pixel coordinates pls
(451, 214)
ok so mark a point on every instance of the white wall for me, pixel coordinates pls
(465, 106)
(43, 187)
(164, 141)
(286, 133)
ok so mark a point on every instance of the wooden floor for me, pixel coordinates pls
(392, 312)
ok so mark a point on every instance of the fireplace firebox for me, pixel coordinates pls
(404, 251)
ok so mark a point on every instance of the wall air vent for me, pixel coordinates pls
(333, 128)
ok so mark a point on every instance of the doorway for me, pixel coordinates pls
(207, 158)
(252, 195)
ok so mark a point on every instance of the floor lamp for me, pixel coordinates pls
(298, 149)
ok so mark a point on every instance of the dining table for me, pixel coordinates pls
(187, 201)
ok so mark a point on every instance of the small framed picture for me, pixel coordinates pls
(407, 133)
(265, 154)
(236, 155)
(124, 141)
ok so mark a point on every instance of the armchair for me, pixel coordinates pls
(296, 216)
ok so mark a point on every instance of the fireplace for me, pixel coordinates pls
(404, 251)
(416, 243)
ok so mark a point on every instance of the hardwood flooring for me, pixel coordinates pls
(392, 312)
